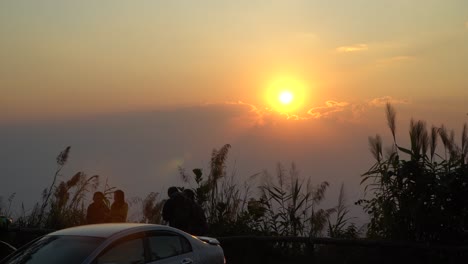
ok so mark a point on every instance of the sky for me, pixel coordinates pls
(140, 88)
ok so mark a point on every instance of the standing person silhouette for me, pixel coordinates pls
(197, 223)
(176, 210)
(98, 211)
(119, 208)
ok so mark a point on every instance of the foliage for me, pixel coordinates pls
(422, 198)
(63, 203)
(286, 207)
(222, 199)
(217, 206)
(218, 194)
(67, 205)
(152, 209)
(341, 227)
(6, 210)
(61, 160)
(292, 206)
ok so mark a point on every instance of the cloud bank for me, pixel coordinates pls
(353, 48)
(347, 111)
(255, 116)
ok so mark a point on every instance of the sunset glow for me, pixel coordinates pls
(286, 95)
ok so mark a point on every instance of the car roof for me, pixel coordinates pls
(107, 230)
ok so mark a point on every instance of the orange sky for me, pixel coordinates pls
(68, 59)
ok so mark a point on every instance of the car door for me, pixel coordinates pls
(166, 247)
(126, 250)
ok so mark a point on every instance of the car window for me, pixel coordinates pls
(165, 245)
(125, 252)
(57, 249)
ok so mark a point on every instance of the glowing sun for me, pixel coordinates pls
(286, 97)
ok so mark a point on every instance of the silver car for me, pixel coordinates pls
(119, 243)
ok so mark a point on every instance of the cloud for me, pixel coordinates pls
(331, 107)
(353, 48)
(249, 115)
(260, 117)
(253, 115)
(347, 111)
(381, 101)
(466, 24)
(240, 116)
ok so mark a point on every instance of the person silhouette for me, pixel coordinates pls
(119, 208)
(176, 210)
(197, 222)
(98, 211)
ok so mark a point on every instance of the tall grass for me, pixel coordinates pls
(152, 209)
(285, 205)
(422, 197)
(342, 227)
(63, 202)
(5, 210)
(293, 204)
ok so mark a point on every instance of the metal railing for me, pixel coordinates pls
(272, 249)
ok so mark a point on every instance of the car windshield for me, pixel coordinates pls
(57, 249)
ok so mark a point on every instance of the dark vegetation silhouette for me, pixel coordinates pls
(417, 193)
(342, 227)
(61, 160)
(282, 205)
(286, 205)
(5, 210)
(152, 209)
(64, 202)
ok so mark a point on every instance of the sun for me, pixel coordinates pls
(286, 94)
(286, 97)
